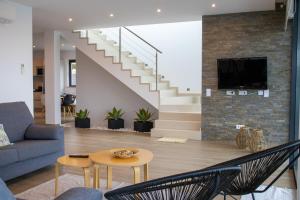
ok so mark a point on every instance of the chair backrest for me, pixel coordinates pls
(68, 100)
(15, 118)
(200, 185)
(258, 167)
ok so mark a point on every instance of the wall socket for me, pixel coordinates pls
(238, 126)
(230, 92)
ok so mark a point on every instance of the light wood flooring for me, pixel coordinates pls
(169, 158)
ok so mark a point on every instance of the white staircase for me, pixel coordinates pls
(179, 114)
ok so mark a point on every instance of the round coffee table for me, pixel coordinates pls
(66, 161)
(105, 157)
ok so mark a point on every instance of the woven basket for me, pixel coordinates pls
(243, 137)
(257, 140)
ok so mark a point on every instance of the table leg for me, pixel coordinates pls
(146, 172)
(109, 177)
(56, 178)
(137, 174)
(87, 180)
(96, 179)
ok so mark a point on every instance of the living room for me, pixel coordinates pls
(170, 132)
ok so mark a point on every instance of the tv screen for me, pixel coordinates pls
(242, 73)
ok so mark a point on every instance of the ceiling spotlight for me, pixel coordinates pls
(62, 44)
(158, 10)
(33, 46)
(74, 46)
(70, 19)
(111, 15)
(213, 5)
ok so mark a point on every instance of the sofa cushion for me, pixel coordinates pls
(8, 155)
(5, 193)
(4, 140)
(81, 194)
(34, 148)
(15, 117)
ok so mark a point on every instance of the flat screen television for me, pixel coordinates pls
(243, 73)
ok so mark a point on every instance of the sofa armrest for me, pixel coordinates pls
(44, 132)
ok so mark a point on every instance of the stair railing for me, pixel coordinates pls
(157, 51)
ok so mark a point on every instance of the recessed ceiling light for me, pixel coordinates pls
(111, 15)
(213, 5)
(158, 10)
(33, 46)
(62, 44)
(74, 46)
(70, 19)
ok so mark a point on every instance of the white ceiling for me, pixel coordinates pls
(54, 14)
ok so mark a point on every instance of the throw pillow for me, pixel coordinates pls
(4, 140)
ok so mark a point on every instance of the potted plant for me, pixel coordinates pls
(143, 122)
(82, 120)
(114, 119)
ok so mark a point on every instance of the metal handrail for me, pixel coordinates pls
(142, 39)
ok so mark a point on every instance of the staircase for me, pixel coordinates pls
(134, 62)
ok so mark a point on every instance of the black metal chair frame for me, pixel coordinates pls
(289, 151)
(200, 184)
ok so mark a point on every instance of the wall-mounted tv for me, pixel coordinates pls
(243, 73)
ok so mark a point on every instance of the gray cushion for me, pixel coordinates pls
(8, 155)
(15, 118)
(43, 132)
(81, 194)
(5, 193)
(33, 148)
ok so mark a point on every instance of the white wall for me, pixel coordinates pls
(181, 44)
(15, 50)
(99, 91)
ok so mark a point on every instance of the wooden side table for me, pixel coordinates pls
(142, 158)
(66, 161)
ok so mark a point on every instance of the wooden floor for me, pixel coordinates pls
(169, 158)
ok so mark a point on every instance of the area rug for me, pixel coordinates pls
(273, 193)
(45, 191)
(174, 140)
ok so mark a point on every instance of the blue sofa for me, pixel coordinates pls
(34, 146)
(72, 194)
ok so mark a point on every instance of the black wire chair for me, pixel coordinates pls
(258, 167)
(200, 185)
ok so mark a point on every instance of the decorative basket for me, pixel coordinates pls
(257, 140)
(124, 153)
(242, 138)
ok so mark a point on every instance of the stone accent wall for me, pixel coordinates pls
(247, 35)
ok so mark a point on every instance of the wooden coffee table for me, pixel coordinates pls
(105, 157)
(66, 161)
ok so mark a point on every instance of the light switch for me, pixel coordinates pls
(208, 92)
(22, 68)
(266, 93)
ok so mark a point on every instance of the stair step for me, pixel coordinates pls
(178, 100)
(186, 134)
(167, 93)
(141, 72)
(178, 125)
(195, 108)
(180, 116)
(162, 85)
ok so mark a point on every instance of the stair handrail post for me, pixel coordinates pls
(156, 69)
(120, 44)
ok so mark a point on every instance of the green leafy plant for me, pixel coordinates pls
(143, 115)
(82, 114)
(115, 114)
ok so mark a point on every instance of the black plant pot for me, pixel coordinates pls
(143, 126)
(82, 123)
(115, 123)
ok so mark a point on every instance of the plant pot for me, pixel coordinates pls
(143, 126)
(115, 123)
(82, 123)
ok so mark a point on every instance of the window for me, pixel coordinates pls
(72, 73)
